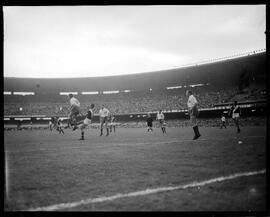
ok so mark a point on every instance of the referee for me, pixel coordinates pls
(193, 113)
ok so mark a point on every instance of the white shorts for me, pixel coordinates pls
(235, 115)
(87, 121)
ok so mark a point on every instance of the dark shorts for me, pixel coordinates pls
(149, 124)
(103, 120)
(194, 112)
(161, 121)
(75, 110)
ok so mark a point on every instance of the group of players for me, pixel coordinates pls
(75, 113)
(105, 117)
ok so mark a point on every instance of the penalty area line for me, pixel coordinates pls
(145, 192)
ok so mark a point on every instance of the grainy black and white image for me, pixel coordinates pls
(135, 108)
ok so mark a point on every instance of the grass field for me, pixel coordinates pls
(45, 169)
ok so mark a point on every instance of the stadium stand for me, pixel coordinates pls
(240, 79)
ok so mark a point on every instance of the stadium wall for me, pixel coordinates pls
(248, 110)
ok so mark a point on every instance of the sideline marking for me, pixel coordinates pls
(144, 192)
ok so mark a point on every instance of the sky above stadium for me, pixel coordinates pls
(90, 41)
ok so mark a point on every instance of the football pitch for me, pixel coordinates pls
(136, 170)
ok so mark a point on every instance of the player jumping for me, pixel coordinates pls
(103, 116)
(74, 110)
(193, 113)
(161, 119)
(87, 121)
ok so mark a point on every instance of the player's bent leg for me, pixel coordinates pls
(82, 126)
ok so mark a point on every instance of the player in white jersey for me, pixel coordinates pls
(87, 121)
(193, 113)
(103, 117)
(161, 119)
(74, 110)
(50, 125)
(235, 113)
(223, 122)
(112, 124)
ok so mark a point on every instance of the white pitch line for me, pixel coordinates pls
(145, 192)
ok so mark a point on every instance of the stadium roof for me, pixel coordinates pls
(223, 73)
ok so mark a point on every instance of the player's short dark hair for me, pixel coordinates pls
(92, 105)
(70, 95)
(189, 92)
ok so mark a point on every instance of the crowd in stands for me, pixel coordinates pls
(120, 103)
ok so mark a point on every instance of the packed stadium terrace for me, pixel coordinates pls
(121, 103)
(221, 84)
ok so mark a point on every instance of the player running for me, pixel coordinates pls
(103, 117)
(74, 110)
(53, 123)
(235, 112)
(193, 113)
(112, 125)
(87, 121)
(149, 121)
(161, 119)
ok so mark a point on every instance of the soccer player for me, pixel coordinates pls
(19, 125)
(74, 110)
(149, 121)
(223, 122)
(51, 125)
(59, 126)
(103, 117)
(31, 125)
(193, 113)
(87, 121)
(112, 125)
(54, 123)
(235, 111)
(161, 119)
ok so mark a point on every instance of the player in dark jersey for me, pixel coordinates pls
(53, 123)
(87, 121)
(149, 121)
(235, 113)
